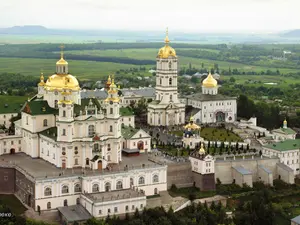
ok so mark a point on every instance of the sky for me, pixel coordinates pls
(177, 15)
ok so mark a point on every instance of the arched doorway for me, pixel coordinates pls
(63, 163)
(12, 151)
(220, 117)
(107, 187)
(100, 165)
(87, 161)
(65, 202)
(155, 191)
(38, 208)
(140, 145)
(77, 201)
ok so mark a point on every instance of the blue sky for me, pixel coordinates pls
(178, 15)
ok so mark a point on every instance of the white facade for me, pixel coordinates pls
(291, 158)
(205, 165)
(5, 118)
(166, 110)
(56, 192)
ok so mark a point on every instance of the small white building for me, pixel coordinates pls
(284, 133)
(288, 151)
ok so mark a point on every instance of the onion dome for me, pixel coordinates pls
(210, 82)
(42, 82)
(167, 50)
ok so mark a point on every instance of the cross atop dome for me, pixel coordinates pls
(167, 37)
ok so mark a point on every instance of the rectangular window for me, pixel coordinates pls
(12, 142)
(100, 212)
(141, 206)
(116, 209)
(4, 143)
(129, 119)
(126, 208)
(108, 210)
(19, 142)
(132, 208)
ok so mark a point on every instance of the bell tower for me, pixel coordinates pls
(41, 86)
(166, 74)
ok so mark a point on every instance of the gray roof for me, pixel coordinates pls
(203, 97)
(145, 92)
(242, 170)
(296, 219)
(114, 195)
(102, 94)
(74, 213)
(265, 169)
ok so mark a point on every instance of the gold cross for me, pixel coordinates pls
(62, 50)
(167, 32)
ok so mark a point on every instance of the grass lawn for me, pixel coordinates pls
(219, 134)
(13, 203)
(186, 192)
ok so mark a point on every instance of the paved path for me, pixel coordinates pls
(46, 216)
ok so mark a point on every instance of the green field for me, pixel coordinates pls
(79, 68)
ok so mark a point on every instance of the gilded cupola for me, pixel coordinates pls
(167, 50)
(42, 82)
(62, 80)
(210, 81)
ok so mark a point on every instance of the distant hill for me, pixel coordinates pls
(292, 33)
(24, 30)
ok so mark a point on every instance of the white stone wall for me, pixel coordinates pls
(35, 124)
(102, 209)
(128, 121)
(5, 117)
(10, 142)
(290, 158)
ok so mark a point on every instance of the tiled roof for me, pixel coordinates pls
(74, 213)
(128, 132)
(285, 130)
(284, 145)
(50, 133)
(39, 107)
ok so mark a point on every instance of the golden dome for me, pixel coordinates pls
(61, 82)
(42, 83)
(113, 87)
(108, 80)
(192, 126)
(202, 150)
(167, 50)
(210, 82)
(285, 122)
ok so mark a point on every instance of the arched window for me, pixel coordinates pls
(170, 65)
(65, 189)
(95, 188)
(48, 191)
(141, 180)
(111, 110)
(107, 186)
(77, 188)
(155, 178)
(160, 81)
(171, 98)
(48, 205)
(110, 128)
(55, 104)
(131, 181)
(170, 81)
(64, 132)
(45, 122)
(65, 202)
(91, 130)
(76, 162)
(119, 185)
(87, 161)
(64, 113)
(77, 201)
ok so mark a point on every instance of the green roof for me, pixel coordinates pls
(39, 107)
(128, 132)
(284, 145)
(84, 103)
(285, 130)
(50, 133)
(126, 112)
